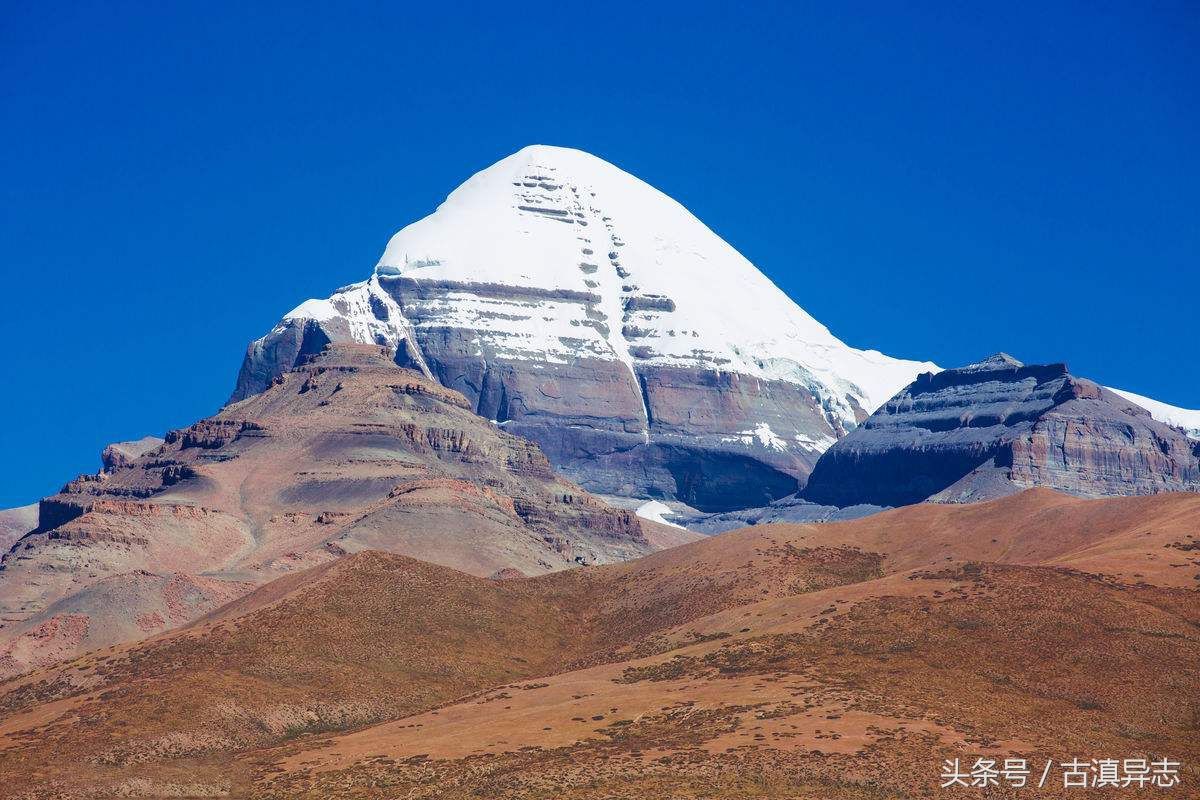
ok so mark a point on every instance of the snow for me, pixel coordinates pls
(531, 219)
(815, 445)
(563, 225)
(1185, 418)
(655, 511)
(765, 436)
(370, 314)
(320, 310)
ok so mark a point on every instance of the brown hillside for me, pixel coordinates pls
(836, 661)
(348, 452)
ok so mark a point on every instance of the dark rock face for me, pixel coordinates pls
(666, 433)
(791, 509)
(697, 447)
(278, 352)
(624, 465)
(998, 426)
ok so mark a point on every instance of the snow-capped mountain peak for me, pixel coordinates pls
(583, 308)
(565, 221)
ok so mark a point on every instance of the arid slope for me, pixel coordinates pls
(843, 660)
(346, 453)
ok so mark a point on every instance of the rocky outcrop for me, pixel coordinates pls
(344, 453)
(582, 309)
(998, 426)
(122, 454)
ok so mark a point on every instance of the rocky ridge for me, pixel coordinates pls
(122, 454)
(346, 452)
(997, 426)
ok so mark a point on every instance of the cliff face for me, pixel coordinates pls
(344, 453)
(997, 426)
(714, 439)
(583, 309)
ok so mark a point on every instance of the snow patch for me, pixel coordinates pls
(320, 310)
(370, 314)
(816, 445)
(655, 511)
(1185, 418)
(766, 437)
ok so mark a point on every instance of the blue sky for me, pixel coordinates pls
(933, 182)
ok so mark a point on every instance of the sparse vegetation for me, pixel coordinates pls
(382, 677)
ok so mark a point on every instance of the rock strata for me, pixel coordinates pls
(346, 452)
(584, 310)
(122, 454)
(998, 426)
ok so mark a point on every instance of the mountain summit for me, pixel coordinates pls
(586, 310)
(565, 220)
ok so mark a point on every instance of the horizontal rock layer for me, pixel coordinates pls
(346, 452)
(716, 440)
(997, 426)
(579, 307)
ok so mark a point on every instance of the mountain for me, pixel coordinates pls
(583, 309)
(346, 452)
(842, 660)
(997, 426)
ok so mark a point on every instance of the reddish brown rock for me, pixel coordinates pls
(347, 452)
(122, 454)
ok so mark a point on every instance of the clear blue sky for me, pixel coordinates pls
(934, 183)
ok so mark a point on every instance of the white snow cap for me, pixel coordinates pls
(560, 219)
(672, 292)
(1184, 418)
